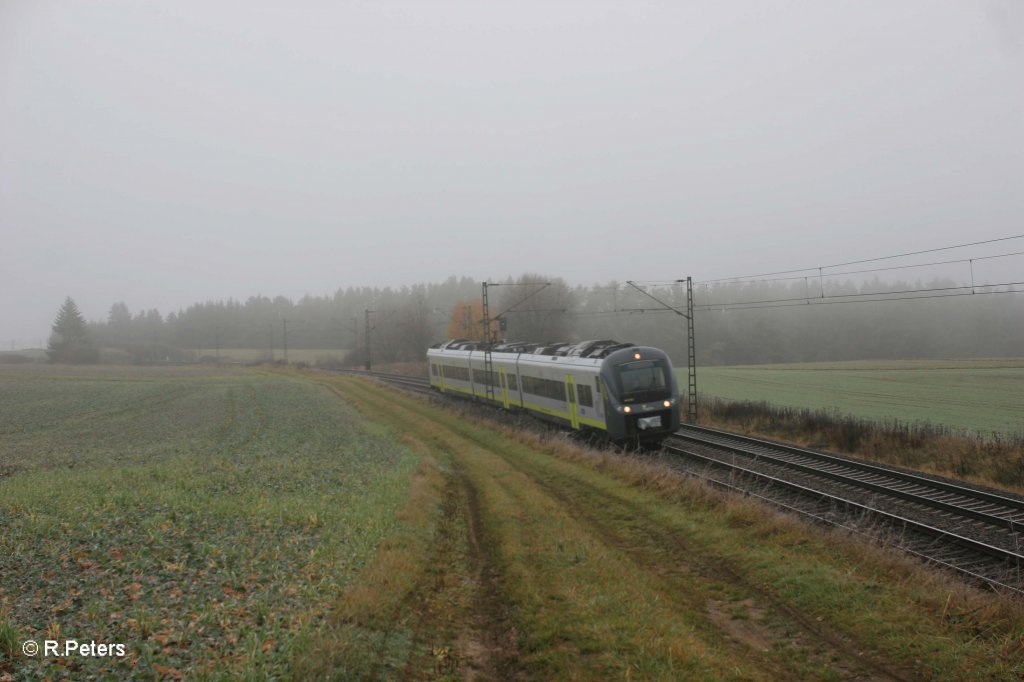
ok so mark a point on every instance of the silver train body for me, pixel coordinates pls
(629, 393)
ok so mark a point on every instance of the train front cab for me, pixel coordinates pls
(642, 395)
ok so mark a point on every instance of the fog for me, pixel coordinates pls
(168, 153)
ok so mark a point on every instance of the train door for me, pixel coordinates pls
(574, 413)
(504, 387)
(440, 371)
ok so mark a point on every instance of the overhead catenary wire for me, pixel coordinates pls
(832, 299)
(820, 268)
(820, 302)
(829, 297)
(820, 297)
(862, 272)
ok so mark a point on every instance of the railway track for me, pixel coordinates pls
(998, 511)
(975, 532)
(972, 531)
(410, 383)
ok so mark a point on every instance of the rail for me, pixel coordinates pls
(974, 532)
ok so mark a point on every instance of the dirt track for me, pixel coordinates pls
(458, 612)
(541, 567)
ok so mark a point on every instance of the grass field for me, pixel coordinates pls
(275, 524)
(983, 396)
(204, 517)
(310, 356)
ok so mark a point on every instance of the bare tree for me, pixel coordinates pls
(536, 308)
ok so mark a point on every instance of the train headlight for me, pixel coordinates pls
(636, 356)
(627, 409)
(667, 403)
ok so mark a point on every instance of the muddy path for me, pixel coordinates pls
(461, 621)
(757, 625)
(540, 567)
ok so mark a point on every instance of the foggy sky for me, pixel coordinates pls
(168, 153)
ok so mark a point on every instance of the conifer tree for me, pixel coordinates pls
(70, 340)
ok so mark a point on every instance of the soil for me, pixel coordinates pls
(460, 598)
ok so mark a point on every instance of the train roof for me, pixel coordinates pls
(596, 349)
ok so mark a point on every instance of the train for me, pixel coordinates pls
(619, 391)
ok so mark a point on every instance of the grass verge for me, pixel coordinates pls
(602, 566)
(996, 461)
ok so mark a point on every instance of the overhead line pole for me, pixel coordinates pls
(366, 331)
(691, 355)
(489, 379)
(380, 320)
(284, 338)
(488, 360)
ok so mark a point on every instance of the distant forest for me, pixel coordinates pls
(735, 323)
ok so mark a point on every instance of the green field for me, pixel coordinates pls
(308, 355)
(205, 517)
(248, 523)
(984, 396)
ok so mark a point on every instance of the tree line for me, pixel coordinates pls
(735, 322)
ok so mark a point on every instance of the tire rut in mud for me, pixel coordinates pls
(461, 622)
(771, 631)
(491, 613)
(662, 553)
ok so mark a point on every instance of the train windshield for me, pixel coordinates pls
(642, 377)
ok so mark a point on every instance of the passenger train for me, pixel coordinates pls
(626, 392)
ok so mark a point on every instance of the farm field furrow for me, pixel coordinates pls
(969, 396)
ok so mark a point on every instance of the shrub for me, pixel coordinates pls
(14, 359)
(996, 459)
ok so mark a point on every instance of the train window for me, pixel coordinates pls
(639, 377)
(586, 395)
(433, 369)
(545, 388)
(482, 377)
(457, 373)
(513, 383)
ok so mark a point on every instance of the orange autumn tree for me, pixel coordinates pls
(466, 321)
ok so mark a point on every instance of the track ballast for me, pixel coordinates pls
(973, 531)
